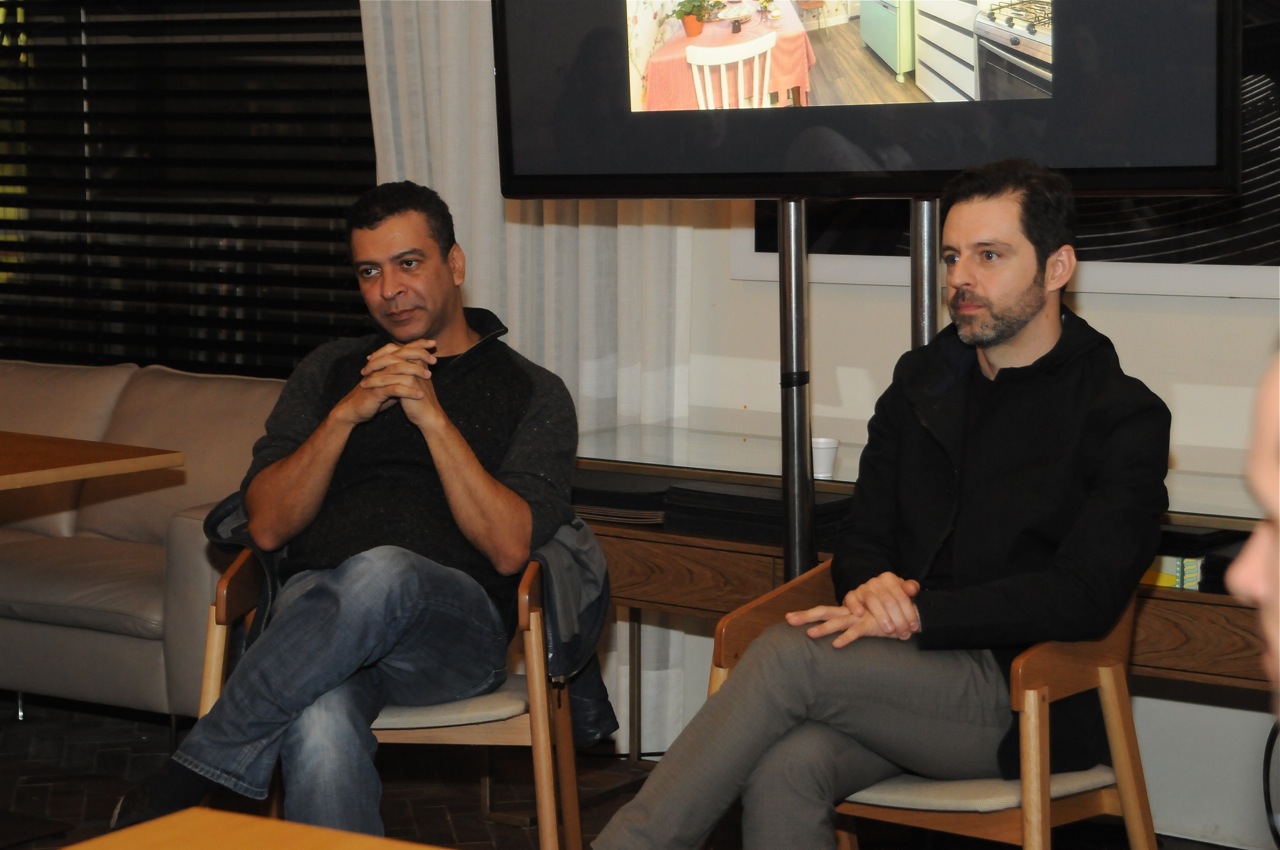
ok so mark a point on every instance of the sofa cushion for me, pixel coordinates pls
(85, 582)
(60, 401)
(213, 419)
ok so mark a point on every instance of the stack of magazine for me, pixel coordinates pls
(746, 512)
(1194, 558)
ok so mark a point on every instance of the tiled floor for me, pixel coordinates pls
(69, 763)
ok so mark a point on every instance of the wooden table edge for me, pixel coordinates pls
(100, 469)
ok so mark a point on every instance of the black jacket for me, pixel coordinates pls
(1051, 511)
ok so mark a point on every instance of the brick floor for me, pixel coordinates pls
(69, 763)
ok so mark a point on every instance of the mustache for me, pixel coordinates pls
(964, 296)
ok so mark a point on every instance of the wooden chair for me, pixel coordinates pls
(711, 69)
(1010, 811)
(526, 711)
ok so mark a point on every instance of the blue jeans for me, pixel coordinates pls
(386, 627)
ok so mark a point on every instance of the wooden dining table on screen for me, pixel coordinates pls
(669, 82)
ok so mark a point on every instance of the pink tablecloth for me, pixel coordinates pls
(670, 82)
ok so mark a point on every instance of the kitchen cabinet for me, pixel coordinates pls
(945, 58)
(888, 29)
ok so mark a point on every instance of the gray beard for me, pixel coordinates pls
(998, 326)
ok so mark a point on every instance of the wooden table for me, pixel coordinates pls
(27, 460)
(669, 82)
(210, 829)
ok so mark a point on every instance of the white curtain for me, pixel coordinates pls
(596, 291)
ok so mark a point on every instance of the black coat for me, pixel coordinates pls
(1052, 508)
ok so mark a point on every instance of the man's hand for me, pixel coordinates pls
(881, 607)
(493, 518)
(287, 495)
(394, 374)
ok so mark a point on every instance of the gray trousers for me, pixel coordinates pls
(800, 725)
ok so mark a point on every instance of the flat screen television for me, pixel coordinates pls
(596, 97)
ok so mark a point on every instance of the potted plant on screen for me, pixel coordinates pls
(694, 12)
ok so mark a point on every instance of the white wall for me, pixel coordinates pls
(1204, 771)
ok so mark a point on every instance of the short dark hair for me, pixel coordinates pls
(382, 202)
(1048, 209)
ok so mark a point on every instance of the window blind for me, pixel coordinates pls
(175, 177)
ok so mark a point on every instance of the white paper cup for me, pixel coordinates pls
(824, 456)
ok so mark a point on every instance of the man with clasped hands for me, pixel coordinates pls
(402, 483)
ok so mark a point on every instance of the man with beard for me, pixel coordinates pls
(1010, 492)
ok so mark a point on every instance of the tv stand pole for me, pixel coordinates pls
(799, 550)
(924, 270)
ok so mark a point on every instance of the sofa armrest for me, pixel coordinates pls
(192, 567)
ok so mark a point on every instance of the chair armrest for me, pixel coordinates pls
(235, 600)
(529, 596)
(192, 568)
(238, 590)
(1064, 668)
(739, 627)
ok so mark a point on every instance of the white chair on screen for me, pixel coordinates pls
(711, 71)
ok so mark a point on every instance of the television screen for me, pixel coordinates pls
(841, 99)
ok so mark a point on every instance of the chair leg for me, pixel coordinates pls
(1035, 770)
(486, 783)
(566, 768)
(520, 817)
(1117, 712)
(544, 775)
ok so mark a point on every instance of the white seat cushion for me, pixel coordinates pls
(974, 795)
(111, 586)
(509, 700)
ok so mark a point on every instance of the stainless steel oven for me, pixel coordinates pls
(1015, 49)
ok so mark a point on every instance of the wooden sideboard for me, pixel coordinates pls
(1208, 638)
(1190, 636)
(698, 576)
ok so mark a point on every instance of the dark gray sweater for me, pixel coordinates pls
(517, 417)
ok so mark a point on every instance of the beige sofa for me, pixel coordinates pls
(105, 584)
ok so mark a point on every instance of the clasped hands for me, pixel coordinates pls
(396, 374)
(880, 607)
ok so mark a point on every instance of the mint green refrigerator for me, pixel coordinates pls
(888, 29)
